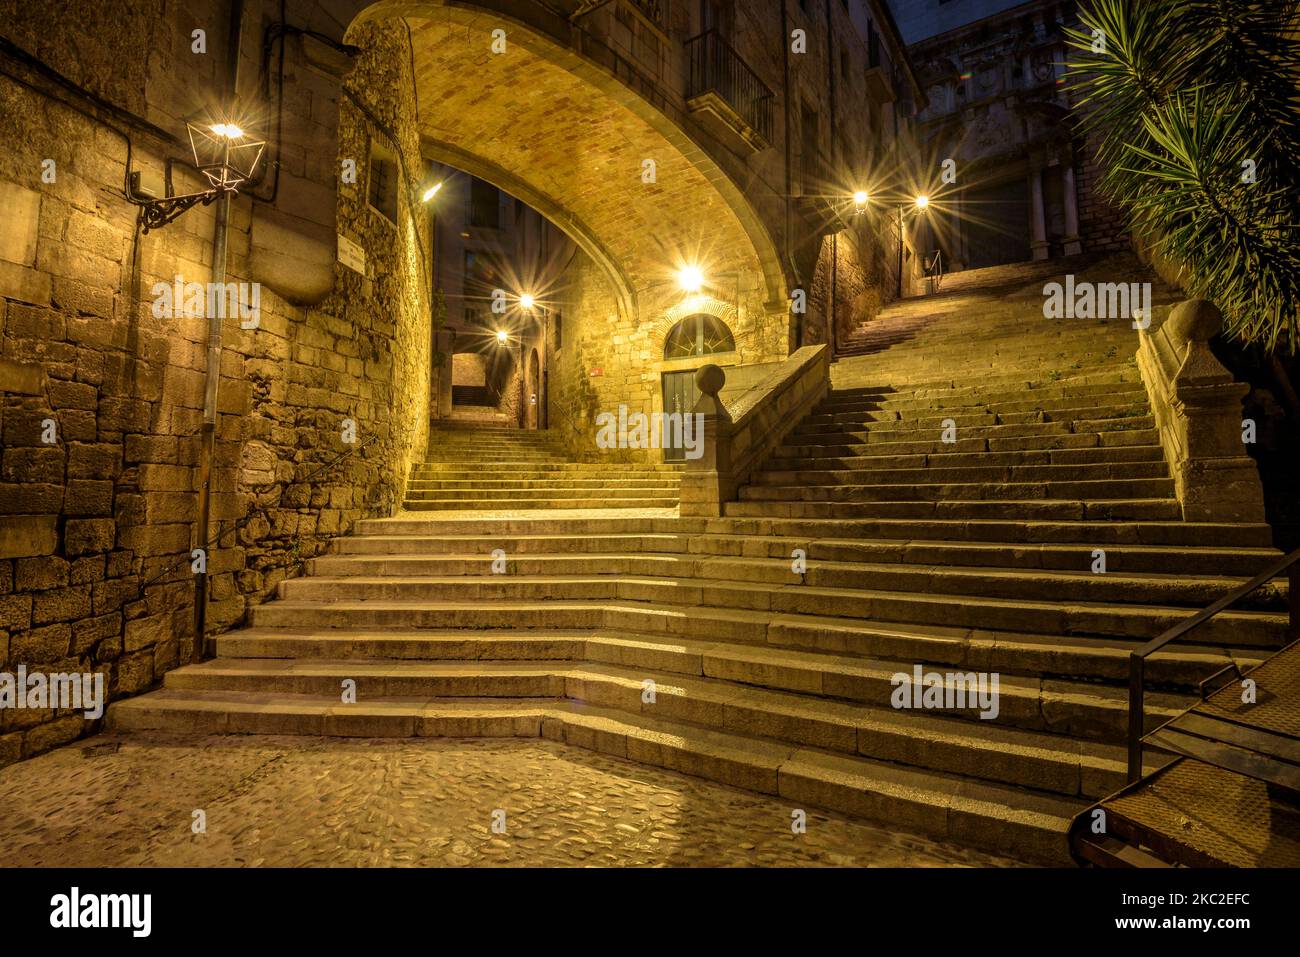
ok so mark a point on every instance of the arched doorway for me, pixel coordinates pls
(696, 337)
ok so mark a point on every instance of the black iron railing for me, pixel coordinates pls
(934, 270)
(717, 68)
(1289, 564)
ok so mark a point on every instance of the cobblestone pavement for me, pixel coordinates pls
(291, 801)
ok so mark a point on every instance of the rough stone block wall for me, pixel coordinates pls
(1102, 226)
(99, 514)
(850, 270)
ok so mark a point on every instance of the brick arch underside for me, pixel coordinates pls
(543, 124)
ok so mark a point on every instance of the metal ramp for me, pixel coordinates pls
(1231, 798)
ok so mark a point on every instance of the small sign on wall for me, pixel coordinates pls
(596, 372)
(352, 255)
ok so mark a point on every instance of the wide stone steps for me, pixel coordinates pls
(1019, 401)
(973, 748)
(525, 470)
(1040, 508)
(973, 558)
(514, 484)
(906, 397)
(887, 422)
(795, 666)
(437, 470)
(575, 500)
(1015, 489)
(992, 432)
(1076, 584)
(850, 374)
(877, 461)
(937, 803)
(1120, 557)
(864, 445)
(1029, 530)
(1033, 531)
(781, 472)
(738, 610)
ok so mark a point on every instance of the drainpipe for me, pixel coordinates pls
(835, 272)
(789, 160)
(830, 93)
(208, 435)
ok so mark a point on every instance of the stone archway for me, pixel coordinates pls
(518, 118)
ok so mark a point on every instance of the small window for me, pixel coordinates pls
(698, 335)
(382, 187)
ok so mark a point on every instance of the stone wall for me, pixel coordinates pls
(1103, 226)
(101, 398)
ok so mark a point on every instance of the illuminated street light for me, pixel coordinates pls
(860, 200)
(922, 201)
(690, 278)
(502, 337)
(225, 156)
(431, 192)
(526, 300)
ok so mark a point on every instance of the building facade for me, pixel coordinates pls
(1000, 108)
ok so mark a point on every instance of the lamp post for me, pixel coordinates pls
(227, 158)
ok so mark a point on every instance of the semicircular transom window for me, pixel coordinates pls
(698, 335)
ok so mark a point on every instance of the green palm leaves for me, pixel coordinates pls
(1194, 106)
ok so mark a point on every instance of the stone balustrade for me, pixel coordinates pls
(737, 440)
(1197, 408)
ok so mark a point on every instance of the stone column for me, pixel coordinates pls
(1070, 190)
(1038, 220)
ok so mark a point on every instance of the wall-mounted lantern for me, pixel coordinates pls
(227, 158)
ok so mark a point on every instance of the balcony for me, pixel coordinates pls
(723, 86)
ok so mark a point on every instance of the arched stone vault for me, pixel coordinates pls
(522, 119)
(583, 235)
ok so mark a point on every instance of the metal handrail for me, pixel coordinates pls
(1137, 658)
(717, 68)
(934, 270)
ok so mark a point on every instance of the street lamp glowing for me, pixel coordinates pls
(502, 336)
(227, 131)
(431, 192)
(860, 199)
(526, 300)
(922, 202)
(690, 278)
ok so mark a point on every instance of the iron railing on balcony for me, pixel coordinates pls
(717, 68)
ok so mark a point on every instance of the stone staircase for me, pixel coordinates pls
(474, 466)
(701, 645)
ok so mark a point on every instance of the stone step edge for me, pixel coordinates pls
(681, 644)
(861, 717)
(1054, 762)
(1113, 605)
(997, 817)
(1277, 589)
